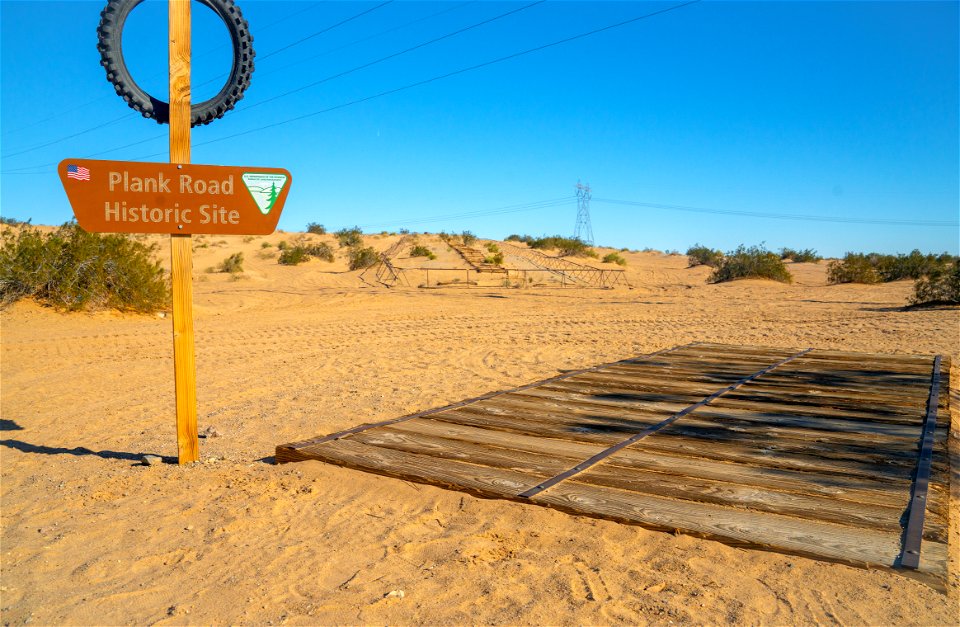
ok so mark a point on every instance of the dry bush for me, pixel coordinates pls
(940, 287)
(232, 264)
(73, 269)
(699, 255)
(362, 257)
(615, 258)
(755, 262)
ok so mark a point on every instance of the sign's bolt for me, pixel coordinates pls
(180, 226)
(179, 166)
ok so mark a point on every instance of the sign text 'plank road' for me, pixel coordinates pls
(136, 197)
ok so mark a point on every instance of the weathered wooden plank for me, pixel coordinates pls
(687, 367)
(814, 457)
(907, 404)
(464, 450)
(917, 507)
(820, 423)
(629, 441)
(614, 406)
(722, 492)
(893, 453)
(834, 484)
(483, 397)
(893, 358)
(733, 353)
(594, 392)
(569, 411)
(758, 394)
(788, 381)
(475, 416)
(742, 528)
(885, 386)
(773, 456)
(473, 478)
(723, 446)
(628, 418)
(885, 416)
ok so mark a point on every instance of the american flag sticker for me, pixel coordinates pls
(78, 172)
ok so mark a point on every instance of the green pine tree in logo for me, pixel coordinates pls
(273, 195)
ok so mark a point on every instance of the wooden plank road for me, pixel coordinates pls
(834, 455)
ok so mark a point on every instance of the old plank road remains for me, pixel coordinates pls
(833, 455)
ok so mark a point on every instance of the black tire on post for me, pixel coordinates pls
(110, 34)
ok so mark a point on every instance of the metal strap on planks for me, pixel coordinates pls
(650, 430)
(437, 410)
(913, 532)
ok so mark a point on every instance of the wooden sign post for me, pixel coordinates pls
(181, 246)
(176, 198)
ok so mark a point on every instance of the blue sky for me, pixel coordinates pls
(839, 110)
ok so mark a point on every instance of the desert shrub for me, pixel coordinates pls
(265, 254)
(940, 287)
(265, 245)
(248, 239)
(699, 255)
(320, 250)
(404, 231)
(877, 267)
(496, 259)
(362, 257)
(566, 246)
(526, 239)
(316, 229)
(615, 258)
(912, 266)
(853, 268)
(283, 245)
(350, 237)
(302, 250)
(293, 255)
(14, 222)
(73, 269)
(492, 248)
(422, 251)
(807, 255)
(232, 264)
(468, 238)
(748, 263)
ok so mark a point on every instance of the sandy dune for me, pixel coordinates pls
(91, 536)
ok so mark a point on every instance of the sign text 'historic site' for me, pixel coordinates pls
(134, 197)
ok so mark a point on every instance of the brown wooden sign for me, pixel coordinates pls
(136, 197)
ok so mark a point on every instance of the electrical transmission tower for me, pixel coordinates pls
(583, 231)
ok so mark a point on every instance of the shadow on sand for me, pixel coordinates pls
(26, 447)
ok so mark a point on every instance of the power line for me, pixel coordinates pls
(57, 141)
(25, 170)
(445, 76)
(207, 52)
(531, 206)
(391, 56)
(779, 216)
(415, 84)
(303, 60)
(324, 80)
(324, 30)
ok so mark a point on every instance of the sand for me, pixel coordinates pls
(92, 536)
